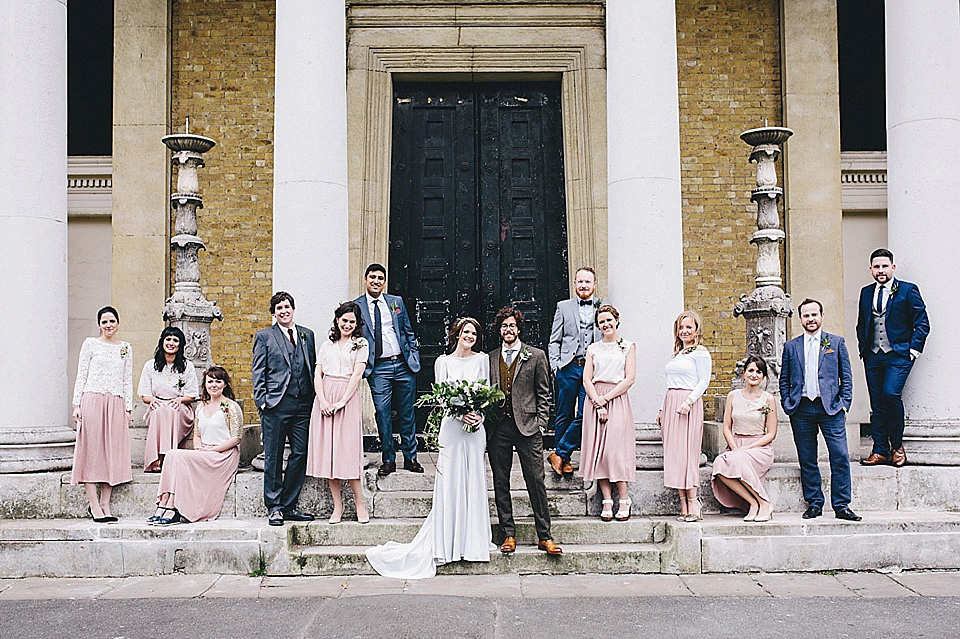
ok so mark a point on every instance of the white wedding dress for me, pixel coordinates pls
(458, 526)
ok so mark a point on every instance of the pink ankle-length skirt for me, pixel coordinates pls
(748, 465)
(198, 479)
(682, 440)
(102, 453)
(166, 428)
(609, 449)
(335, 448)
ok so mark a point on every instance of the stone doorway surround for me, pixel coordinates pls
(481, 41)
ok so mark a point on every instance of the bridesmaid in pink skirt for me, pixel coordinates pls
(102, 404)
(335, 449)
(749, 426)
(194, 482)
(168, 386)
(608, 450)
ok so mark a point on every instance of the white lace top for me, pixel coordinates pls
(336, 361)
(609, 360)
(105, 368)
(690, 371)
(168, 383)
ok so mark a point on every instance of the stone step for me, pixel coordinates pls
(398, 505)
(405, 480)
(599, 558)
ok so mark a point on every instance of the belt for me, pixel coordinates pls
(579, 361)
(389, 359)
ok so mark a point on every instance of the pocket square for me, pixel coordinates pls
(828, 352)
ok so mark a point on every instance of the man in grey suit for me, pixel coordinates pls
(284, 359)
(816, 388)
(520, 371)
(573, 330)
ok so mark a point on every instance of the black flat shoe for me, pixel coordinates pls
(176, 518)
(297, 515)
(812, 512)
(275, 518)
(846, 513)
(413, 466)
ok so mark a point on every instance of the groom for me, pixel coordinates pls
(522, 373)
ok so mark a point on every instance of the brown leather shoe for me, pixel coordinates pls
(550, 547)
(875, 459)
(386, 468)
(509, 545)
(899, 457)
(567, 468)
(556, 462)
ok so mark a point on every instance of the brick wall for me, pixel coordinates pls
(729, 71)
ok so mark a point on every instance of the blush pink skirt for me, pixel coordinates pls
(166, 428)
(199, 480)
(749, 466)
(102, 453)
(335, 448)
(609, 449)
(682, 439)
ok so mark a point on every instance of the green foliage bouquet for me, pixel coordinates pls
(456, 399)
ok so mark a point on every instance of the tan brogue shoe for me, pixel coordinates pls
(509, 545)
(550, 547)
(899, 457)
(556, 462)
(875, 459)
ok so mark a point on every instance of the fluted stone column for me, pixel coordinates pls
(644, 219)
(310, 159)
(923, 132)
(34, 402)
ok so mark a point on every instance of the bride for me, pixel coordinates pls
(458, 526)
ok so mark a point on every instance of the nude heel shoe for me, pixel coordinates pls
(695, 515)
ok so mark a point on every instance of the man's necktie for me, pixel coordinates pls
(810, 374)
(377, 331)
(879, 306)
(509, 357)
(290, 334)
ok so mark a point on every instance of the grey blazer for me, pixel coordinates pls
(532, 397)
(271, 363)
(565, 334)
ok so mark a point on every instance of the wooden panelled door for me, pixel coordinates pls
(477, 211)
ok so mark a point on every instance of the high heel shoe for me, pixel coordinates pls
(695, 516)
(336, 516)
(363, 520)
(100, 520)
(623, 514)
(607, 513)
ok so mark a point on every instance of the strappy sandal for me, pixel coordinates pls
(157, 516)
(607, 513)
(623, 514)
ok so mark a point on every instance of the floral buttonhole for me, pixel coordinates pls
(824, 342)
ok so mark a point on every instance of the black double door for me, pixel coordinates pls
(477, 212)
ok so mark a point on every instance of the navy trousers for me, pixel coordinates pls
(569, 419)
(288, 421)
(886, 376)
(809, 419)
(394, 387)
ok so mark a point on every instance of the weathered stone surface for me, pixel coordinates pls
(870, 585)
(418, 503)
(803, 586)
(550, 586)
(726, 585)
(29, 495)
(160, 587)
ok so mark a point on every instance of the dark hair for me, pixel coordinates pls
(216, 372)
(881, 252)
(375, 267)
(453, 335)
(280, 296)
(159, 355)
(108, 309)
(606, 308)
(759, 361)
(588, 269)
(504, 313)
(343, 309)
(810, 301)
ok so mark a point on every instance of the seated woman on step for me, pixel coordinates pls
(749, 426)
(194, 482)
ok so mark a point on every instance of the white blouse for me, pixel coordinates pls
(213, 430)
(105, 368)
(337, 361)
(168, 383)
(690, 371)
(609, 360)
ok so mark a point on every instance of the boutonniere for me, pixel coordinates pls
(303, 335)
(622, 344)
(894, 287)
(356, 345)
(525, 354)
(765, 410)
(686, 351)
(124, 350)
(225, 407)
(597, 303)
(825, 342)
(394, 308)
(181, 382)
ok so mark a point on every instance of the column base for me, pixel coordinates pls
(650, 448)
(27, 449)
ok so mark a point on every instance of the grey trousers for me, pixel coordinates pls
(504, 438)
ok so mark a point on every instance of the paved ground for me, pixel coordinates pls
(532, 607)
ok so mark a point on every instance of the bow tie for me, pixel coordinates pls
(585, 302)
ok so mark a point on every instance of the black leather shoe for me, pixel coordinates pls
(413, 466)
(295, 514)
(812, 512)
(275, 518)
(387, 468)
(849, 515)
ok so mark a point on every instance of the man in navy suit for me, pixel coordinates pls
(391, 369)
(816, 388)
(892, 327)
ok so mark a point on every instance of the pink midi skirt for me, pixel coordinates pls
(335, 448)
(609, 449)
(166, 428)
(102, 453)
(199, 480)
(748, 465)
(682, 440)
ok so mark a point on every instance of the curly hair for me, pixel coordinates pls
(453, 335)
(504, 313)
(606, 308)
(217, 372)
(281, 296)
(343, 309)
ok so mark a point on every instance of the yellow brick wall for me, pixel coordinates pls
(223, 73)
(729, 70)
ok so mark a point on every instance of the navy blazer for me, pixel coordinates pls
(409, 345)
(836, 380)
(271, 363)
(906, 319)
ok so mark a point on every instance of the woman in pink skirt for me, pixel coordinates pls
(681, 417)
(608, 449)
(168, 386)
(102, 404)
(335, 450)
(194, 482)
(749, 426)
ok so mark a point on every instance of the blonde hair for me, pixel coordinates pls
(698, 336)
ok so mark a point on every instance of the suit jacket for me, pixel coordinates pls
(906, 319)
(531, 393)
(565, 333)
(833, 372)
(271, 363)
(409, 346)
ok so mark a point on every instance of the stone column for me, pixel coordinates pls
(34, 404)
(310, 236)
(645, 244)
(923, 130)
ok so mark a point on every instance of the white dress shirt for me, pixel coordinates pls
(391, 340)
(513, 351)
(811, 365)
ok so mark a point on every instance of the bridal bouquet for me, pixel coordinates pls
(456, 399)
